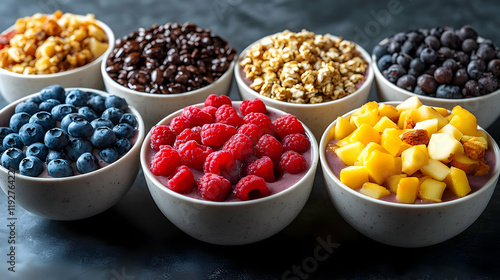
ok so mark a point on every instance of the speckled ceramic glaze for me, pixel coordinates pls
(153, 107)
(74, 197)
(14, 86)
(316, 116)
(406, 225)
(231, 223)
(485, 107)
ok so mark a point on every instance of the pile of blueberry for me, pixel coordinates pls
(66, 132)
(441, 62)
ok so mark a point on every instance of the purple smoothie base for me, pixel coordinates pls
(475, 182)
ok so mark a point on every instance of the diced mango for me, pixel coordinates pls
(368, 149)
(407, 119)
(389, 111)
(392, 182)
(442, 111)
(457, 182)
(426, 113)
(431, 190)
(410, 103)
(374, 190)
(380, 165)
(407, 190)
(414, 158)
(453, 131)
(436, 169)
(463, 120)
(354, 176)
(443, 146)
(369, 117)
(384, 123)
(350, 152)
(465, 163)
(365, 134)
(398, 165)
(430, 125)
(343, 127)
(390, 141)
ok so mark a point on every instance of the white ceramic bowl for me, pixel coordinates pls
(14, 85)
(153, 107)
(79, 196)
(235, 222)
(485, 107)
(316, 116)
(406, 225)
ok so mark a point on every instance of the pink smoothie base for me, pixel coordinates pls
(285, 181)
(475, 182)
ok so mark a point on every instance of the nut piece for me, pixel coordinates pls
(415, 137)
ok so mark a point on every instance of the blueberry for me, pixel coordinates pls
(122, 145)
(31, 133)
(448, 92)
(103, 137)
(89, 114)
(86, 163)
(11, 158)
(48, 104)
(124, 130)
(109, 155)
(52, 155)
(18, 120)
(80, 128)
(394, 72)
(4, 131)
(28, 107)
(113, 114)
(56, 139)
(31, 166)
(12, 140)
(379, 51)
(44, 119)
(428, 56)
(76, 147)
(35, 99)
(53, 92)
(407, 82)
(96, 103)
(76, 97)
(101, 122)
(384, 62)
(61, 110)
(128, 118)
(476, 68)
(69, 119)
(116, 101)
(38, 150)
(59, 168)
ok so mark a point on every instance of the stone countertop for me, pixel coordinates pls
(133, 240)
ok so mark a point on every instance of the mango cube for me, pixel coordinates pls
(414, 158)
(368, 149)
(468, 165)
(453, 131)
(407, 119)
(443, 146)
(392, 182)
(463, 120)
(391, 141)
(365, 134)
(343, 127)
(384, 123)
(350, 152)
(410, 103)
(389, 111)
(380, 165)
(457, 182)
(407, 189)
(430, 125)
(374, 190)
(442, 111)
(435, 169)
(368, 117)
(427, 113)
(354, 176)
(431, 190)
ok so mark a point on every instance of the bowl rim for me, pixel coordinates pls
(366, 84)
(137, 144)
(449, 102)
(108, 80)
(111, 44)
(157, 185)
(328, 172)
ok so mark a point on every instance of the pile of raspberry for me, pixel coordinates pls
(239, 151)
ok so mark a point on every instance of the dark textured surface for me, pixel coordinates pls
(133, 240)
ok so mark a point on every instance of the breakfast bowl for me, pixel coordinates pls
(232, 219)
(159, 81)
(17, 84)
(72, 181)
(385, 215)
(476, 90)
(316, 115)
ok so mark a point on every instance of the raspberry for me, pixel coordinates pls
(240, 146)
(296, 142)
(193, 154)
(165, 161)
(178, 124)
(216, 134)
(288, 124)
(251, 187)
(187, 134)
(161, 135)
(217, 101)
(260, 120)
(213, 187)
(181, 180)
(252, 131)
(228, 115)
(253, 106)
(292, 162)
(218, 162)
(196, 116)
(269, 146)
(263, 167)
(211, 110)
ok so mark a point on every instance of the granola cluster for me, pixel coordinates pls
(303, 67)
(46, 44)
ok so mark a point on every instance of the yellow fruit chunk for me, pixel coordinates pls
(389, 111)
(463, 120)
(392, 182)
(368, 149)
(407, 119)
(354, 176)
(350, 152)
(443, 146)
(436, 169)
(414, 158)
(343, 127)
(380, 165)
(407, 189)
(431, 190)
(468, 165)
(453, 131)
(369, 117)
(384, 123)
(427, 113)
(430, 125)
(457, 182)
(442, 111)
(390, 141)
(365, 134)
(374, 190)
(410, 103)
